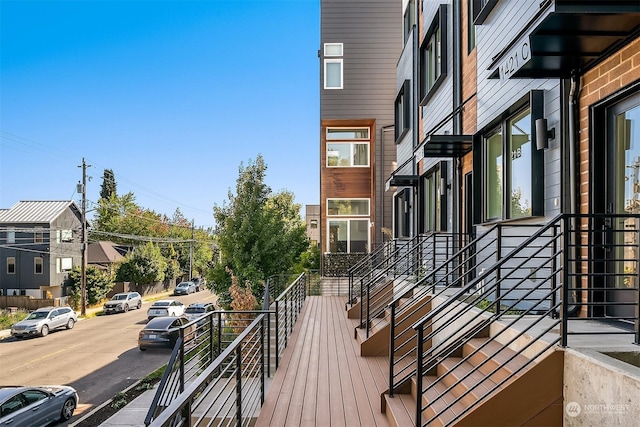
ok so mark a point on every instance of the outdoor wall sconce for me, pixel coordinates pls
(543, 135)
(444, 186)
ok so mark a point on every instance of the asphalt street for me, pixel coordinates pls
(98, 357)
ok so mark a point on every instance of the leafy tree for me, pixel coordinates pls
(259, 234)
(108, 184)
(144, 265)
(98, 285)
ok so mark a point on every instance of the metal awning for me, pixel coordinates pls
(447, 145)
(403, 181)
(568, 36)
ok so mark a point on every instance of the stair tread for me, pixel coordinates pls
(436, 399)
(474, 379)
(401, 407)
(497, 352)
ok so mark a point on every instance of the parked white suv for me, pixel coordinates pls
(43, 320)
(122, 302)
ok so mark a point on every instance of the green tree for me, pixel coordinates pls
(259, 234)
(99, 283)
(108, 187)
(144, 265)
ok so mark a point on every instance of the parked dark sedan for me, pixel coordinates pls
(36, 406)
(165, 331)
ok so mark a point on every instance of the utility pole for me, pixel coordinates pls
(83, 271)
(191, 252)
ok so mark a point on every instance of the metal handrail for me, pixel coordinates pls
(199, 371)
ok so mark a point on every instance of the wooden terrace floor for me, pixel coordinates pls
(322, 380)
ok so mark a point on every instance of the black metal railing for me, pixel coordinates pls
(377, 258)
(413, 261)
(218, 372)
(531, 287)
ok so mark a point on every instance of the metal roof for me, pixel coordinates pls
(29, 212)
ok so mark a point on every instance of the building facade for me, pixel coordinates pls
(41, 243)
(360, 44)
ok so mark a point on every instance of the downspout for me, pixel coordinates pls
(457, 118)
(574, 207)
(416, 110)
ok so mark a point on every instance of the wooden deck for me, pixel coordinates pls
(322, 380)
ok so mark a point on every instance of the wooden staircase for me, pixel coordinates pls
(481, 373)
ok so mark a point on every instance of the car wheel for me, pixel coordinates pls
(67, 409)
(44, 331)
(126, 308)
(139, 306)
(142, 348)
(70, 324)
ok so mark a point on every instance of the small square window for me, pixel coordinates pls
(333, 49)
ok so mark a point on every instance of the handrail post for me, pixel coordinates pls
(392, 327)
(367, 320)
(181, 360)
(262, 381)
(637, 305)
(419, 371)
(277, 336)
(239, 385)
(499, 269)
(566, 234)
(554, 279)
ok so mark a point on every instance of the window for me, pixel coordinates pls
(402, 213)
(348, 234)
(333, 66)
(37, 235)
(313, 223)
(409, 19)
(64, 264)
(482, 9)
(11, 265)
(37, 265)
(64, 236)
(403, 111)
(348, 207)
(346, 153)
(433, 55)
(11, 235)
(434, 198)
(471, 28)
(512, 176)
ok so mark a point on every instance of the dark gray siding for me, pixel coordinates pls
(371, 33)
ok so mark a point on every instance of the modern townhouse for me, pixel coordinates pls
(40, 244)
(358, 55)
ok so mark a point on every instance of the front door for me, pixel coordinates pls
(623, 198)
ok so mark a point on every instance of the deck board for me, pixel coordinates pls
(322, 379)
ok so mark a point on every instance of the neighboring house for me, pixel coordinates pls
(40, 242)
(360, 44)
(312, 219)
(104, 255)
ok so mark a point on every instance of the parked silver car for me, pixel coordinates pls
(43, 320)
(185, 288)
(122, 302)
(36, 406)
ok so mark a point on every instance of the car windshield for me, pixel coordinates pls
(161, 303)
(119, 297)
(194, 310)
(183, 285)
(37, 315)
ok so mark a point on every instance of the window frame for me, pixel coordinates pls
(338, 215)
(353, 142)
(433, 181)
(348, 221)
(11, 261)
(36, 264)
(38, 235)
(11, 235)
(402, 111)
(438, 26)
(534, 103)
(328, 61)
(402, 214)
(408, 20)
(482, 9)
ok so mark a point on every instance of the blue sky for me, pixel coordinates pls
(171, 95)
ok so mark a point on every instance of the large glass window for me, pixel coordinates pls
(508, 158)
(348, 235)
(433, 55)
(348, 147)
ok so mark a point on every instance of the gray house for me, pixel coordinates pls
(40, 242)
